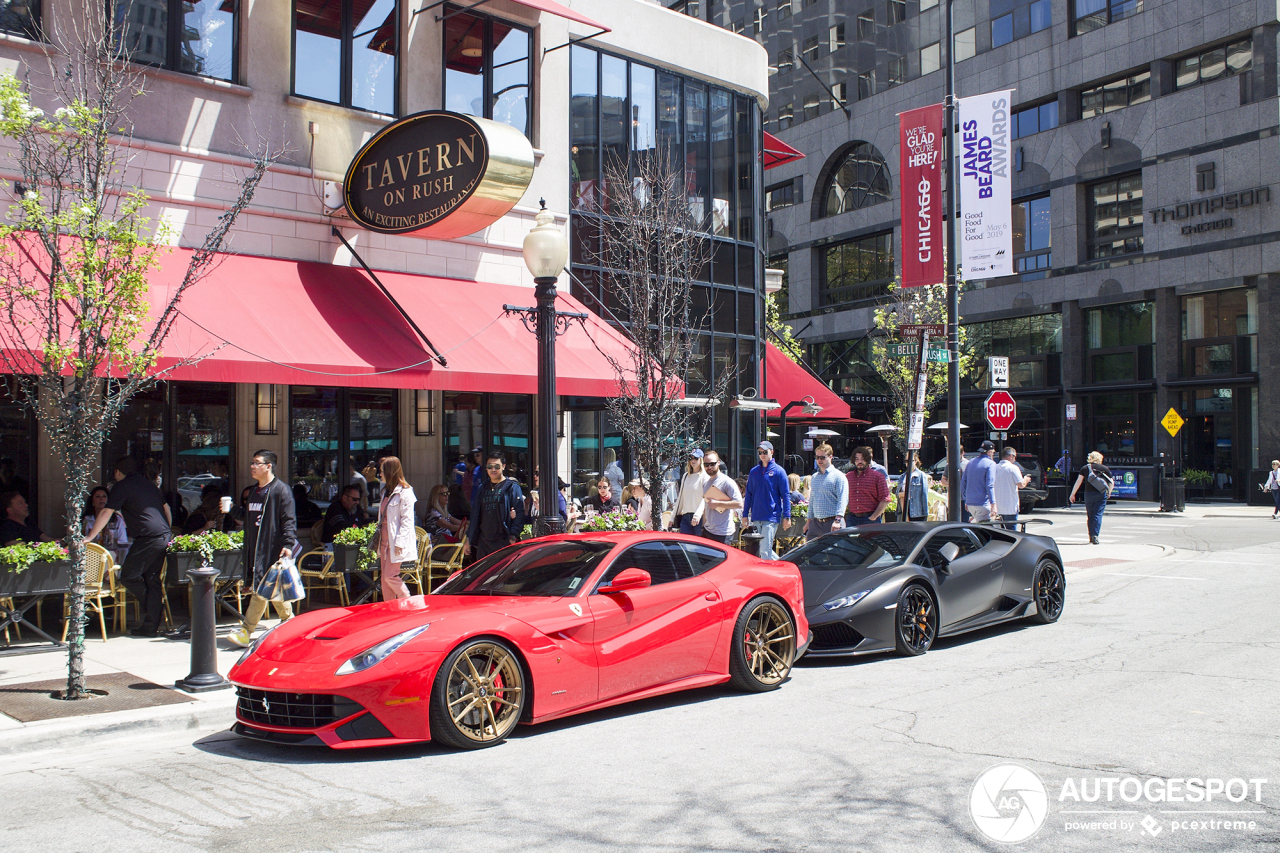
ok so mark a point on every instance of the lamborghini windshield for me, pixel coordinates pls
(843, 552)
(549, 570)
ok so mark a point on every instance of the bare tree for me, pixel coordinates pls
(655, 250)
(79, 336)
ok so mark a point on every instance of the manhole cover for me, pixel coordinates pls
(118, 691)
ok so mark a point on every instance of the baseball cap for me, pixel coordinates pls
(986, 445)
(696, 453)
(765, 445)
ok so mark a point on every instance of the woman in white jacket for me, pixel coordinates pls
(397, 544)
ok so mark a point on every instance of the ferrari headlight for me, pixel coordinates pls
(846, 601)
(253, 646)
(371, 656)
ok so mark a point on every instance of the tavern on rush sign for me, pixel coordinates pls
(438, 174)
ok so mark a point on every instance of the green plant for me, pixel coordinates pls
(20, 557)
(1197, 477)
(799, 512)
(526, 532)
(207, 543)
(359, 536)
(614, 521)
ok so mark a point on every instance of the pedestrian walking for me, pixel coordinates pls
(978, 483)
(767, 499)
(497, 512)
(1273, 486)
(687, 515)
(1101, 483)
(270, 534)
(868, 490)
(397, 543)
(147, 520)
(828, 496)
(1009, 478)
(721, 496)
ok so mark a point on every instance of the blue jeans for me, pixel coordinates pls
(1094, 508)
(852, 520)
(768, 532)
(1009, 520)
(687, 527)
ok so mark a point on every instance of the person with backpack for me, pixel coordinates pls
(1273, 486)
(1101, 483)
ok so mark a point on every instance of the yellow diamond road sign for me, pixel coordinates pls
(1172, 422)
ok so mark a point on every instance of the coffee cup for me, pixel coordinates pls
(225, 503)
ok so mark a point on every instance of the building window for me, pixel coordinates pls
(1031, 120)
(784, 9)
(1041, 17)
(786, 59)
(810, 107)
(21, 18)
(810, 49)
(1222, 61)
(786, 116)
(1128, 325)
(927, 4)
(856, 270)
(1088, 15)
(866, 25)
(897, 71)
(692, 8)
(860, 180)
(835, 37)
(194, 38)
(866, 84)
(738, 26)
(1030, 343)
(1115, 216)
(1116, 95)
(839, 92)
(1032, 235)
(930, 58)
(966, 44)
(779, 196)
(897, 11)
(487, 69)
(345, 52)
(1002, 30)
(1220, 331)
(757, 20)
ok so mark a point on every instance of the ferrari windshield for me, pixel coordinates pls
(549, 569)
(843, 552)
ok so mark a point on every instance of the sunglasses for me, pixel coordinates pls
(762, 452)
(497, 467)
(710, 464)
(820, 456)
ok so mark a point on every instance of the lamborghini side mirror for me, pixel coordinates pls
(947, 553)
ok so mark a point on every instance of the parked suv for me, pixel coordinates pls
(1030, 465)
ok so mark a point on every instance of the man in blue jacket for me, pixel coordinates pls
(767, 501)
(978, 483)
(497, 511)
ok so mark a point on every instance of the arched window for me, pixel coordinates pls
(859, 178)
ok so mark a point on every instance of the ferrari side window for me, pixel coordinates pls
(662, 560)
(702, 557)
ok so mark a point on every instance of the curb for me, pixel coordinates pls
(97, 730)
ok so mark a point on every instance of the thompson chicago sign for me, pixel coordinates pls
(1210, 206)
(438, 174)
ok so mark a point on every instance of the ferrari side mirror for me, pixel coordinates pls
(627, 579)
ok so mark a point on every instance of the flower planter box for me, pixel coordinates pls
(40, 579)
(228, 564)
(346, 558)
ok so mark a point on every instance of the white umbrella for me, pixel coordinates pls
(815, 431)
(771, 433)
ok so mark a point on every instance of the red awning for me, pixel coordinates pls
(786, 381)
(554, 8)
(777, 152)
(299, 323)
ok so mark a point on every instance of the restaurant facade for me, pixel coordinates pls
(1144, 153)
(334, 345)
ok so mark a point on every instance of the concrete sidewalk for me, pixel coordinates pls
(1151, 509)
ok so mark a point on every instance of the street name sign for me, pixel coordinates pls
(915, 330)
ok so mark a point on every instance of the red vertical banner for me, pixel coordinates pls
(920, 171)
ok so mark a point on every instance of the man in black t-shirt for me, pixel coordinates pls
(343, 513)
(17, 525)
(148, 521)
(497, 513)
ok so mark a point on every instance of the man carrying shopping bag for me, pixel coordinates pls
(270, 534)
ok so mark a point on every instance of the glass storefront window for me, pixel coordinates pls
(1113, 367)
(17, 438)
(1132, 324)
(462, 426)
(511, 422)
(371, 431)
(202, 440)
(487, 69)
(1221, 314)
(585, 464)
(140, 433)
(345, 52)
(1115, 424)
(584, 134)
(314, 433)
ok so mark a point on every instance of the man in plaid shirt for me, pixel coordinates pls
(868, 490)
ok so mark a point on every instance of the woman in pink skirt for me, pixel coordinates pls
(397, 544)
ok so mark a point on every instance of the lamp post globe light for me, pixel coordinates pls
(545, 253)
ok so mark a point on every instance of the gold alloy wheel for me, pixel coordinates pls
(769, 643)
(484, 692)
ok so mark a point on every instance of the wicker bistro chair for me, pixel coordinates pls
(415, 576)
(99, 586)
(316, 568)
(442, 561)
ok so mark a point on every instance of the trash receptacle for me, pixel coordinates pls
(751, 543)
(1173, 494)
(1057, 496)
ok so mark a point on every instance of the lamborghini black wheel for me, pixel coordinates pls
(917, 620)
(1049, 587)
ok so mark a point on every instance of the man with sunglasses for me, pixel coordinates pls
(767, 500)
(497, 512)
(722, 497)
(828, 496)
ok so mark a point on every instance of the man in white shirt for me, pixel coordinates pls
(722, 496)
(1008, 479)
(687, 514)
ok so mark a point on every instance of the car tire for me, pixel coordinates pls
(763, 646)
(478, 695)
(1049, 588)
(916, 618)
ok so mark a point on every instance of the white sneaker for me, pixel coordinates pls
(239, 638)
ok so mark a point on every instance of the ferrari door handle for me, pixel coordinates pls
(995, 567)
(712, 596)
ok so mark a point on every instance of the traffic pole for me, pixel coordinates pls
(954, 449)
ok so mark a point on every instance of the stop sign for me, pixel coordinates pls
(1001, 410)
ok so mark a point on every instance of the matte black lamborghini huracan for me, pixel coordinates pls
(900, 586)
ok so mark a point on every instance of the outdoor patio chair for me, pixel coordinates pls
(443, 561)
(99, 587)
(316, 568)
(424, 556)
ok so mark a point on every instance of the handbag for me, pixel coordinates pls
(1100, 481)
(282, 582)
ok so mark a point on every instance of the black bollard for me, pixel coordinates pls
(204, 638)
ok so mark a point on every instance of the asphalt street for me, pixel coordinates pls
(1158, 670)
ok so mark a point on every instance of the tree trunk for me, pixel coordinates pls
(72, 503)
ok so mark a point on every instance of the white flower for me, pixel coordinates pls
(61, 112)
(31, 195)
